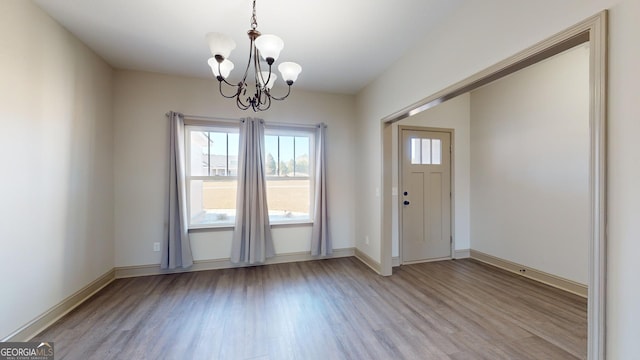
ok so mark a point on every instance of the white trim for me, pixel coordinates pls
(597, 26)
(46, 319)
(367, 260)
(427, 260)
(532, 273)
(462, 254)
(217, 264)
(395, 261)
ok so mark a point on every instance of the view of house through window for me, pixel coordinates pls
(212, 169)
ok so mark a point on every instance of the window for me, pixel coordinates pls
(289, 169)
(426, 151)
(212, 170)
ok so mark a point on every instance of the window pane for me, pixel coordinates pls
(234, 146)
(218, 154)
(415, 151)
(213, 202)
(426, 151)
(286, 164)
(302, 156)
(288, 199)
(198, 154)
(271, 154)
(436, 151)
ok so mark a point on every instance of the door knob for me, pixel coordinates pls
(406, 202)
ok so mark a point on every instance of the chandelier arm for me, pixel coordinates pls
(228, 83)
(240, 104)
(260, 89)
(268, 102)
(283, 97)
(262, 105)
(257, 70)
(238, 90)
(246, 70)
(261, 77)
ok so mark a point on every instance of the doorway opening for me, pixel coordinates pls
(594, 32)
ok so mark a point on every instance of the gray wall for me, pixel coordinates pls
(530, 166)
(141, 167)
(56, 188)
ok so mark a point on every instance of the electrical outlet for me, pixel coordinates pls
(156, 246)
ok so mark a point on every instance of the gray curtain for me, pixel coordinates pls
(252, 242)
(176, 249)
(320, 238)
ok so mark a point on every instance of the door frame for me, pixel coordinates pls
(594, 31)
(400, 149)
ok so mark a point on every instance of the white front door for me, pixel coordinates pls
(426, 195)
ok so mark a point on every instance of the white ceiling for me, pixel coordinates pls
(342, 45)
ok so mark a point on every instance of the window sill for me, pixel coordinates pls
(292, 224)
(203, 228)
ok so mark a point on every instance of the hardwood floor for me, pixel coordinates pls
(330, 309)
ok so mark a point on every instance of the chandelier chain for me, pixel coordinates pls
(254, 19)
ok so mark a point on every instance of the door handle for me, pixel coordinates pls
(406, 202)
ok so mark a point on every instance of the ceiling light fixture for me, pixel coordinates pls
(266, 46)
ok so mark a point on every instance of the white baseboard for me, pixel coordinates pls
(202, 265)
(37, 325)
(374, 265)
(395, 261)
(458, 254)
(534, 274)
(462, 254)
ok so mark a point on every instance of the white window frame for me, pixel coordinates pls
(299, 131)
(212, 127)
(273, 130)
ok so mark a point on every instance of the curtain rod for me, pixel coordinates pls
(269, 123)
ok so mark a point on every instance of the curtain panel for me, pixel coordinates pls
(252, 242)
(176, 248)
(320, 239)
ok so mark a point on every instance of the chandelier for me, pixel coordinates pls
(262, 49)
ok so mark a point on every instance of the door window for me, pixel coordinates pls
(425, 151)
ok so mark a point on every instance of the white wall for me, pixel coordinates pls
(56, 188)
(454, 115)
(530, 166)
(141, 135)
(478, 36)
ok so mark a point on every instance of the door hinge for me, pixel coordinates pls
(451, 239)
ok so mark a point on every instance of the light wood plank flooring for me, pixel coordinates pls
(330, 309)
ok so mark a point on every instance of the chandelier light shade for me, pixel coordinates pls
(264, 52)
(223, 69)
(269, 47)
(220, 44)
(289, 71)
